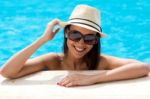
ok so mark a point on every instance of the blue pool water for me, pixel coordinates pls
(126, 22)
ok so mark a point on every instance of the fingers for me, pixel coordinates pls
(64, 82)
(68, 82)
(78, 80)
(54, 22)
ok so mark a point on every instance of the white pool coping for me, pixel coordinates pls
(42, 85)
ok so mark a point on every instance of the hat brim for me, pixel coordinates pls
(64, 24)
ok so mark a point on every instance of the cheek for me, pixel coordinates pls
(89, 47)
(69, 43)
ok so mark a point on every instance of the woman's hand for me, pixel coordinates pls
(50, 31)
(77, 79)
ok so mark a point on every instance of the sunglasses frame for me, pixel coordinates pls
(82, 37)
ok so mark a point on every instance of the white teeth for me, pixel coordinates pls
(79, 49)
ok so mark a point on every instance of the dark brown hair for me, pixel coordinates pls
(92, 57)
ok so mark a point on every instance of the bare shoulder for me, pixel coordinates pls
(53, 60)
(50, 56)
(111, 62)
(103, 62)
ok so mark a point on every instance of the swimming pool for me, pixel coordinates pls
(126, 23)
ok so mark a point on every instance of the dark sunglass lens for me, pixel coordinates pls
(75, 36)
(90, 39)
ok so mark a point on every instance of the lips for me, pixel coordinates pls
(79, 49)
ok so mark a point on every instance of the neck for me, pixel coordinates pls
(73, 62)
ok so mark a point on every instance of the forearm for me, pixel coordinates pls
(76, 78)
(16, 62)
(129, 71)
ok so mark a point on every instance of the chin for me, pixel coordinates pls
(78, 55)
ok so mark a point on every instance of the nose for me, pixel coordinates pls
(81, 41)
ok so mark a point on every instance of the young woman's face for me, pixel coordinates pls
(78, 48)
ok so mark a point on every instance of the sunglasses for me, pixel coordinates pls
(89, 39)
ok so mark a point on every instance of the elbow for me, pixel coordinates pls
(145, 69)
(6, 75)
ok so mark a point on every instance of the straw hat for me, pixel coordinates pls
(86, 17)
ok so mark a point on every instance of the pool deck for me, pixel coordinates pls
(42, 85)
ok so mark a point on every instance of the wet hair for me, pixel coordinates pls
(92, 57)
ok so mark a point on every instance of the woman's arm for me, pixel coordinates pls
(132, 70)
(128, 71)
(118, 69)
(18, 65)
(13, 66)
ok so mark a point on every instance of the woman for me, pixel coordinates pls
(82, 35)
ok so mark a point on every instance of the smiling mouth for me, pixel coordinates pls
(79, 49)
